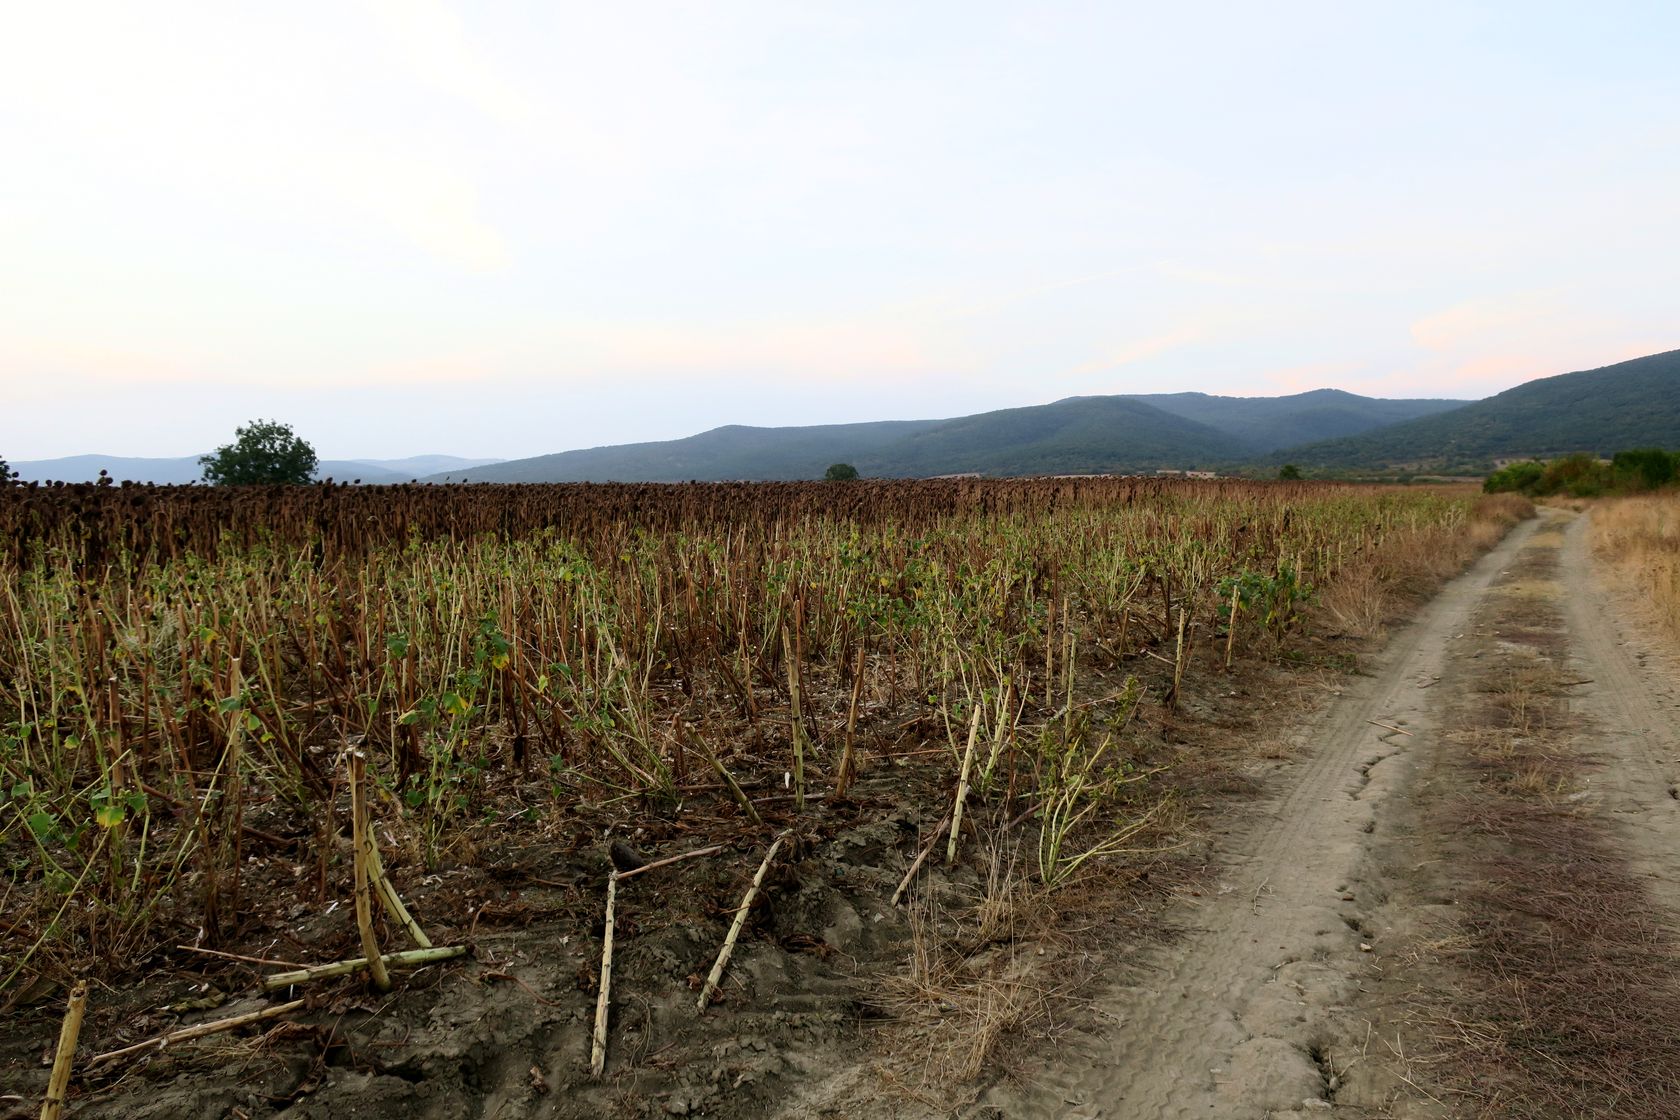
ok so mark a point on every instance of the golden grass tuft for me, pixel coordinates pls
(1641, 537)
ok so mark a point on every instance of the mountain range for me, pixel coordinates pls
(1326, 432)
(1079, 435)
(1615, 408)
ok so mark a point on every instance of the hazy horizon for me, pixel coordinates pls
(445, 454)
(426, 227)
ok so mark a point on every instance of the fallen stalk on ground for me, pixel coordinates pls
(201, 1030)
(409, 958)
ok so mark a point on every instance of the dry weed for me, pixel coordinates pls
(1641, 536)
(976, 976)
(1358, 603)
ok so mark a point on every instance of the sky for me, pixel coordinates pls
(507, 229)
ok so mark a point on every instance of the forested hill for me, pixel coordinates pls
(1079, 435)
(1626, 405)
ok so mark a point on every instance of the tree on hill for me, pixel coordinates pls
(840, 472)
(263, 451)
(1289, 472)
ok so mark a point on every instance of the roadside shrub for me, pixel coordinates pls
(1579, 476)
(1644, 468)
(1519, 478)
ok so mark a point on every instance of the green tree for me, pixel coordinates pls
(6, 473)
(1580, 476)
(840, 472)
(1644, 468)
(263, 451)
(1523, 478)
(1289, 472)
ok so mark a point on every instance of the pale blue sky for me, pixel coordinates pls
(506, 229)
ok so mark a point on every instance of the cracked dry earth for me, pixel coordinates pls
(1288, 987)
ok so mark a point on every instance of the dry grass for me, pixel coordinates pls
(1570, 984)
(1641, 537)
(1358, 604)
(1408, 569)
(972, 980)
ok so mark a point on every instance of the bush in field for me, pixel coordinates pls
(6, 473)
(1582, 476)
(1289, 472)
(1519, 478)
(1644, 468)
(263, 451)
(840, 472)
(1579, 476)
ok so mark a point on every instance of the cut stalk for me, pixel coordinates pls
(1050, 653)
(679, 857)
(64, 1058)
(1178, 657)
(722, 962)
(848, 764)
(962, 786)
(921, 858)
(735, 790)
(796, 720)
(1231, 629)
(598, 1043)
(392, 901)
(359, 841)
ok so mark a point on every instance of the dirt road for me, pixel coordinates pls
(1278, 997)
